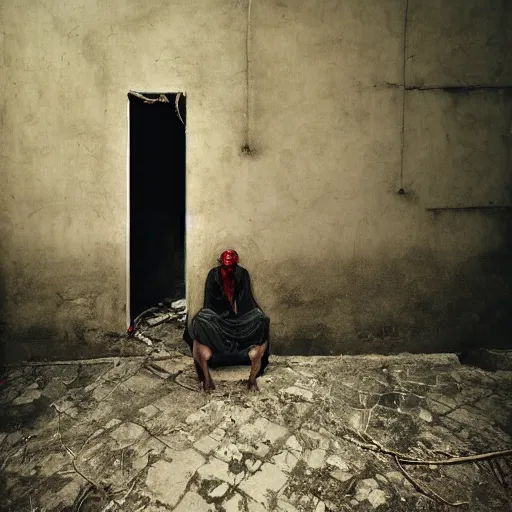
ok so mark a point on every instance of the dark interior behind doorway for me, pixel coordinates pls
(157, 201)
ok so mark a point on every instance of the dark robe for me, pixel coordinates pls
(230, 335)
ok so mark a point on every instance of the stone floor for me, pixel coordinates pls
(137, 434)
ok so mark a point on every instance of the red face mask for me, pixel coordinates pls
(229, 261)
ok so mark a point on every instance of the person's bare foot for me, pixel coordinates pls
(252, 385)
(208, 386)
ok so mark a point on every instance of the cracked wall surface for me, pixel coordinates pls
(339, 260)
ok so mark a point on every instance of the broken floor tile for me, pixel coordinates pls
(206, 444)
(64, 497)
(53, 463)
(218, 434)
(259, 449)
(27, 397)
(143, 383)
(436, 407)
(269, 478)
(364, 487)
(284, 506)
(254, 506)
(296, 392)
(285, 461)
(54, 389)
(140, 462)
(315, 439)
(195, 417)
(315, 459)
(149, 411)
(252, 465)
(466, 415)
(167, 481)
(293, 445)
(112, 423)
(234, 504)
(13, 438)
(443, 399)
(263, 430)
(217, 469)
(320, 507)
(192, 502)
(127, 434)
(228, 452)
(102, 411)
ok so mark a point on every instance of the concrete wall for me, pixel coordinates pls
(339, 260)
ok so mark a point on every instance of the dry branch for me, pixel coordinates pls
(459, 460)
(161, 99)
(426, 490)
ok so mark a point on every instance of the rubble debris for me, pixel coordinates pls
(127, 430)
(166, 312)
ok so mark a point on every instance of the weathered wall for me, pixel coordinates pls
(340, 261)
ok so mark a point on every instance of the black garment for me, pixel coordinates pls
(230, 335)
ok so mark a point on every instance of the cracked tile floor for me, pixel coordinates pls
(324, 434)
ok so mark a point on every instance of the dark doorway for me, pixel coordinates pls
(157, 200)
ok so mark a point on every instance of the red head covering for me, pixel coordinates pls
(229, 260)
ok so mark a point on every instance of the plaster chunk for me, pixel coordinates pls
(229, 452)
(382, 479)
(206, 444)
(315, 459)
(377, 497)
(270, 477)
(27, 397)
(296, 392)
(341, 476)
(337, 462)
(167, 481)
(192, 502)
(293, 444)
(425, 415)
(219, 491)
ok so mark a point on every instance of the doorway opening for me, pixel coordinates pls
(156, 195)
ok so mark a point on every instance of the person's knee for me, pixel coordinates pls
(254, 353)
(206, 352)
(257, 352)
(202, 351)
